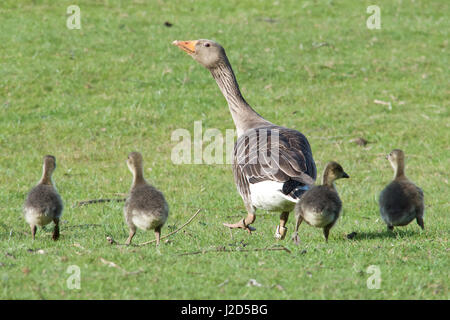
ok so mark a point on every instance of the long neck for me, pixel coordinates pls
(46, 176)
(399, 168)
(138, 176)
(244, 116)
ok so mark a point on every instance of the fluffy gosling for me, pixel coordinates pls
(401, 201)
(43, 203)
(145, 207)
(320, 206)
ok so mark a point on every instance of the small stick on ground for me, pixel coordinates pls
(112, 241)
(125, 272)
(119, 194)
(223, 249)
(86, 225)
(92, 201)
(231, 233)
(173, 232)
(223, 283)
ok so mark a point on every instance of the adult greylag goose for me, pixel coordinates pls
(401, 201)
(145, 207)
(272, 165)
(320, 206)
(43, 203)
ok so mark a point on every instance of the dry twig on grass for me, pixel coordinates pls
(92, 201)
(112, 241)
(384, 103)
(125, 272)
(223, 249)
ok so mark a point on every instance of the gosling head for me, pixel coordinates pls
(333, 172)
(49, 163)
(47, 169)
(208, 53)
(135, 162)
(397, 160)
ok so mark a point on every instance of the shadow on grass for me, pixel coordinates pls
(396, 234)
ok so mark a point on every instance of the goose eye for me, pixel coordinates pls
(207, 44)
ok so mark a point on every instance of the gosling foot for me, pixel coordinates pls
(296, 238)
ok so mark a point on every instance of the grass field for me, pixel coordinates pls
(91, 96)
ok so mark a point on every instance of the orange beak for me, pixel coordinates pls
(187, 46)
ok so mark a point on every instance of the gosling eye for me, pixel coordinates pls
(207, 44)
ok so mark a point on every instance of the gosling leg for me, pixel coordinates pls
(55, 235)
(420, 222)
(297, 224)
(33, 231)
(158, 235)
(326, 231)
(131, 235)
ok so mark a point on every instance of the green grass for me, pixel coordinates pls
(91, 96)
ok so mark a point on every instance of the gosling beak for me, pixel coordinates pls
(187, 46)
(345, 175)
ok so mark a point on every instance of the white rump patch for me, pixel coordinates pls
(267, 195)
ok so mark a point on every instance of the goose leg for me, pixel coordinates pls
(280, 234)
(244, 223)
(55, 235)
(297, 224)
(131, 234)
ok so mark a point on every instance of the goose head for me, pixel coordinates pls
(208, 53)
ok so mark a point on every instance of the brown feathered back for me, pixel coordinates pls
(254, 160)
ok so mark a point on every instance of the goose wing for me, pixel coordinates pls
(273, 153)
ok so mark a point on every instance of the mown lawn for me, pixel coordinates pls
(91, 96)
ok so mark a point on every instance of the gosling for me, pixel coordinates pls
(401, 201)
(43, 204)
(145, 207)
(320, 206)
